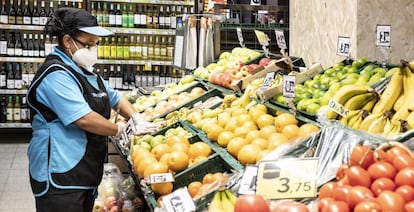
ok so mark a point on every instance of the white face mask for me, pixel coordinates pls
(85, 57)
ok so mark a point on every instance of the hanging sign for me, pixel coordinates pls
(280, 39)
(289, 85)
(344, 46)
(178, 200)
(383, 38)
(248, 181)
(262, 37)
(240, 36)
(287, 178)
(268, 81)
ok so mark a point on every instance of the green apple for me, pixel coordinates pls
(186, 79)
(378, 70)
(317, 77)
(279, 98)
(158, 139)
(338, 65)
(329, 71)
(334, 87)
(147, 138)
(211, 66)
(324, 100)
(375, 78)
(313, 108)
(367, 70)
(352, 70)
(224, 55)
(348, 81)
(353, 75)
(145, 145)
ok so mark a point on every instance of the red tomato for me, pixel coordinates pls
(341, 193)
(358, 176)
(340, 172)
(382, 184)
(391, 201)
(290, 206)
(362, 155)
(402, 161)
(407, 192)
(409, 206)
(251, 202)
(336, 206)
(379, 155)
(368, 205)
(323, 202)
(358, 194)
(381, 169)
(395, 151)
(405, 177)
(327, 190)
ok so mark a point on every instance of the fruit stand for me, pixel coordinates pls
(350, 121)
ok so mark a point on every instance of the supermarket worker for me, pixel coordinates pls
(71, 106)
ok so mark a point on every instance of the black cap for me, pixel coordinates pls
(74, 18)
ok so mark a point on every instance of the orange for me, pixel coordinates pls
(162, 188)
(290, 131)
(177, 139)
(265, 132)
(251, 125)
(307, 130)
(235, 145)
(224, 138)
(164, 158)
(140, 155)
(197, 160)
(237, 111)
(260, 142)
(255, 113)
(247, 154)
(241, 131)
(243, 118)
(213, 132)
(199, 149)
(142, 166)
(208, 123)
(275, 140)
(182, 147)
(208, 178)
(177, 161)
(193, 188)
(251, 135)
(231, 125)
(137, 151)
(265, 120)
(156, 168)
(160, 149)
(221, 177)
(283, 120)
(262, 154)
(223, 118)
(260, 107)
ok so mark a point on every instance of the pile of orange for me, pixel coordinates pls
(209, 182)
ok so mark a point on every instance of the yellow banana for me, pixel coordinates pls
(357, 122)
(231, 196)
(377, 126)
(368, 106)
(216, 205)
(345, 119)
(358, 101)
(410, 121)
(368, 121)
(391, 93)
(389, 126)
(395, 131)
(353, 120)
(227, 205)
(408, 106)
(344, 94)
(399, 102)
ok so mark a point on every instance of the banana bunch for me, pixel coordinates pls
(223, 201)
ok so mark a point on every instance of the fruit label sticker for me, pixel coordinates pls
(179, 200)
(337, 108)
(344, 46)
(280, 39)
(289, 85)
(383, 36)
(160, 178)
(240, 36)
(128, 130)
(287, 178)
(268, 81)
(248, 181)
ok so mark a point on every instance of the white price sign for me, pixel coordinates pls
(289, 85)
(337, 108)
(178, 201)
(128, 130)
(248, 181)
(383, 38)
(160, 178)
(268, 80)
(240, 36)
(344, 46)
(280, 39)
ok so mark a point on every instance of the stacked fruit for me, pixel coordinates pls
(150, 141)
(316, 92)
(247, 130)
(255, 85)
(223, 201)
(210, 182)
(372, 180)
(388, 114)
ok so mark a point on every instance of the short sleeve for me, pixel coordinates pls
(114, 95)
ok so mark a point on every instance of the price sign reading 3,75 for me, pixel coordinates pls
(287, 178)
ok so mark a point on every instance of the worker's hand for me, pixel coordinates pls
(142, 126)
(121, 125)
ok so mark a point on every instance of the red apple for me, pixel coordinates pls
(232, 71)
(247, 68)
(241, 74)
(264, 61)
(214, 77)
(227, 79)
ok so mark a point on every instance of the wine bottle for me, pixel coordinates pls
(124, 16)
(24, 111)
(105, 73)
(3, 76)
(137, 16)
(157, 48)
(101, 47)
(19, 13)
(111, 77)
(18, 77)
(170, 49)
(105, 15)
(12, 13)
(156, 75)
(113, 48)
(167, 18)
(107, 49)
(161, 18)
(42, 14)
(163, 49)
(138, 76)
(50, 13)
(31, 73)
(10, 76)
(118, 16)
(93, 11)
(41, 46)
(3, 44)
(138, 48)
(35, 14)
(132, 48)
(131, 17)
(118, 77)
(24, 46)
(4, 16)
(18, 47)
(131, 77)
(125, 77)
(16, 110)
(25, 76)
(149, 17)
(119, 48)
(126, 53)
(143, 19)
(3, 109)
(99, 15)
(36, 48)
(10, 46)
(112, 17)
(59, 5)
(144, 48)
(151, 47)
(30, 47)
(48, 45)
(173, 18)
(155, 21)
(27, 14)
(9, 110)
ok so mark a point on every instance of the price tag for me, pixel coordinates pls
(240, 36)
(268, 80)
(280, 39)
(289, 85)
(255, 2)
(128, 130)
(262, 37)
(344, 46)
(337, 108)
(383, 38)
(179, 200)
(287, 178)
(160, 178)
(148, 66)
(248, 181)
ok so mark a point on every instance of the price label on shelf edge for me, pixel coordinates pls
(178, 200)
(289, 85)
(160, 178)
(287, 178)
(383, 36)
(344, 46)
(337, 108)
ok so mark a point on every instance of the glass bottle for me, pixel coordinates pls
(42, 14)
(137, 16)
(25, 50)
(51, 12)
(107, 49)
(35, 14)
(167, 18)
(31, 73)
(155, 21)
(112, 18)
(3, 43)
(36, 47)
(119, 48)
(10, 45)
(16, 110)
(170, 49)
(124, 16)
(163, 48)
(143, 19)
(93, 10)
(3, 76)
(149, 17)
(3, 109)
(138, 48)
(161, 18)
(173, 18)
(99, 15)
(48, 45)
(30, 46)
(151, 47)
(4, 16)
(12, 13)
(18, 47)
(118, 77)
(101, 48)
(18, 77)
(24, 111)
(138, 76)
(9, 110)
(118, 16)
(10, 76)
(42, 51)
(27, 14)
(131, 17)
(126, 53)
(111, 76)
(105, 16)
(19, 13)
(132, 48)
(157, 48)
(113, 48)
(144, 48)
(25, 76)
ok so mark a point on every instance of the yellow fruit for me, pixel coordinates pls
(235, 145)
(260, 107)
(265, 132)
(223, 118)
(137, 151)
(160, 149)
(197, 160)
(164, 158)
(275, 140)
(260, 142)
(237, 111)
(262, 154)
(177, 139)
(252, 135)
(224, 138)
(231, 125)
(305, 130)
(139, 154)
(199, 149)
(241, 131)
(265, 120)
(213, 131)
(208, 123)
(156, 168)
(193, 188)
(283, 120)
(162, 188)
(243, 118)
(182, 147)
(290, 131)
(177, 161)
(247, 154)
(250, 125)
(143, 165)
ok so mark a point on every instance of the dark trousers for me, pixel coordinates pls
(68, 200)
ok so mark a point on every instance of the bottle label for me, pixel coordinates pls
(12, 20)
(36, 20)
(4, 19)
(145, 51)
(107, 51)
(173, 22)
(163, 52)
(3, 47)
(18, 52)
(126, 52)
(42, 53)
(31, 53)
(111, 82)
(25, 80)
(43, 20)
(167, 21)
(143, 19)
(112, 20)
(161, 21)
(9, 115)
(137, 80)
(27, 20)
(118, 20)
(16, 114)
(137, 19)
(24, 114)
(36, 53)
(118, 82)
(157, 52)
(2, 81)
(25, 53)
(18, 84)
(10, 51)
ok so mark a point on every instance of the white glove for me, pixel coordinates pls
(121, 126)
(142, 126)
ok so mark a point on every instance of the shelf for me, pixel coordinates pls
(13, 91)
(255, 27)
(187, 3)
(22, 59)
(135, 62)
(142, 31)
(248, 7)
(15, 125)
(22, 27)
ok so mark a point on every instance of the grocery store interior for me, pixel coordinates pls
(247, 93)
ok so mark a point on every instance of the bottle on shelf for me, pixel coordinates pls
(43, 17)
(173, 18)
(156, 75)
(127, 44)
(144, 48)
(19, 13)
(16, 110)
(3, 43)
(161, 18)
(4, 16)
(157, 48)
(105, 74)
(105, 15)
(125, 77)
(12, 13)
(131, 17)
(170, 48)
(59, 5)
(124, 16)
(143, 19)
(180, 18)
(113, 48)
(131, 77)
(132, 48)
(48, 45)
(9, 109)
(24, 111)
(149, 17)
(93, 11)
(167, 18)
(151, 47)
(155, 18)
(118, 16)
(111, 76)
(163, 49)
(24, 46)
(99, 15)
(25, 76)
(36, 48)
(112, 17)
(35, 14)
(119, 48)
(10, 76)
(80, 5)
(107, 49)
(27, 14)
(18, 47)
(3, 109)
(31, 73)
(137, 16)
(3, 76)
(138, 76)
(138, 48)
(10, 45)
(18, 77)
(30, 47)
(42, 51)
(50, 13)
(101, 47)
(118, 77)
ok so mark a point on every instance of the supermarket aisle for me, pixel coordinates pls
(15, 192)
